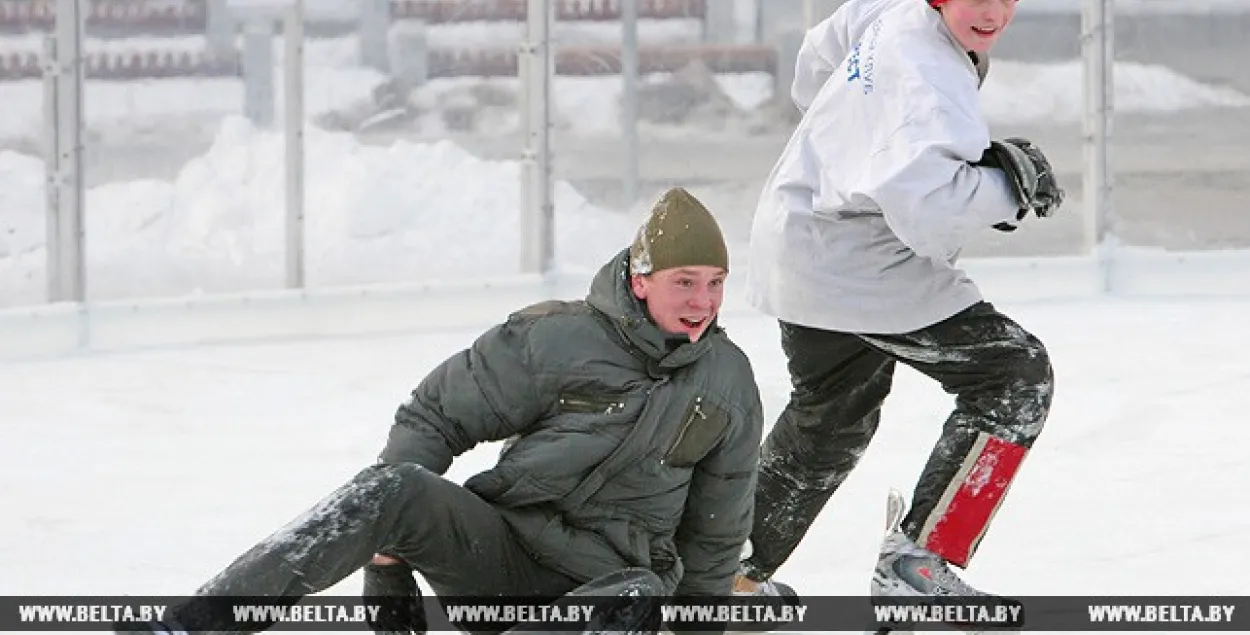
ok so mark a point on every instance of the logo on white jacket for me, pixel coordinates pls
(860, 64)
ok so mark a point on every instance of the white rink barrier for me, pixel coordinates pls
(62, 329)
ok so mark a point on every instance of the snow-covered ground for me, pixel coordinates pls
(145, 473)
(1017, 92)
(400, 213)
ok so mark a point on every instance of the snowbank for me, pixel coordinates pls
(1141, 7)
(336, 82)
(399, 213)
(1014, 93)
(1017, 92)
(584, 106)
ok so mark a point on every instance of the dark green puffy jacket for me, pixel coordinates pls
(629, 447)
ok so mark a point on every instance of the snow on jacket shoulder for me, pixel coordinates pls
(875, 194)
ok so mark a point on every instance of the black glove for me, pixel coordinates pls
(1031, 176)
(395, 589)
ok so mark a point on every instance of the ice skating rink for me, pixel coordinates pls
(146, 472)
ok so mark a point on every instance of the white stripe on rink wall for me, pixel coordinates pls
(50, 330)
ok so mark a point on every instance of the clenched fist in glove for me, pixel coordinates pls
(1030, 174)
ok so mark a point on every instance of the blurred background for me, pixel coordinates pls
(414, 127)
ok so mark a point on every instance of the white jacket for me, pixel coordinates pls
(864, 214)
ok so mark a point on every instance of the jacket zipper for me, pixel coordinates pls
(603, 407)
(698, 412)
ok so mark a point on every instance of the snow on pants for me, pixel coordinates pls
(460, 544)
(1002, 381)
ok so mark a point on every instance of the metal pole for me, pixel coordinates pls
(220, 28)
(293, 39)
(809, 15)
(65, 239)
(537, 70)
(51, 151)
(373, 26)
(1099, 59)
(258, 73)
(629, 98)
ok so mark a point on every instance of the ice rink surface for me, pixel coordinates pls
(147, 472)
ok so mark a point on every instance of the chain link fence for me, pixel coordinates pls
(413, 127)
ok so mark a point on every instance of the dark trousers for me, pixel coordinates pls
(460, 544)
(1001, 377)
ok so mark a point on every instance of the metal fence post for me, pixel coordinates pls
(410, 56)
(63, 89)
(788, 45)
(537, 70)
(720, 25)
(1097, 51)
(373, 29)
(220, 28)
(258, 72)
(51, 68)
(629, 98)
(293, 119)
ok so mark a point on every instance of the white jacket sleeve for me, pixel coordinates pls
(824, 48)
(932, 198)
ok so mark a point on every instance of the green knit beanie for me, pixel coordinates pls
(680, 232)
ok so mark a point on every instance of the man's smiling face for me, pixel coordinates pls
(684, 300)
(977, 24)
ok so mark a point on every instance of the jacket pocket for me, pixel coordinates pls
(591, 403)
(506, 488)
(702, 426)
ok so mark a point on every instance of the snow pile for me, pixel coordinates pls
(584, 106)
(339, 88)
(1140, 7)
(1014, 93)
(21, 200)
(1018, 92)
(399, 213)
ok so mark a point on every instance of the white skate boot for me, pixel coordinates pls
(904, 569)
(907, 570)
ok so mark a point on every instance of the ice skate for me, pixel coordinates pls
(771, 593)
(906, 570)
